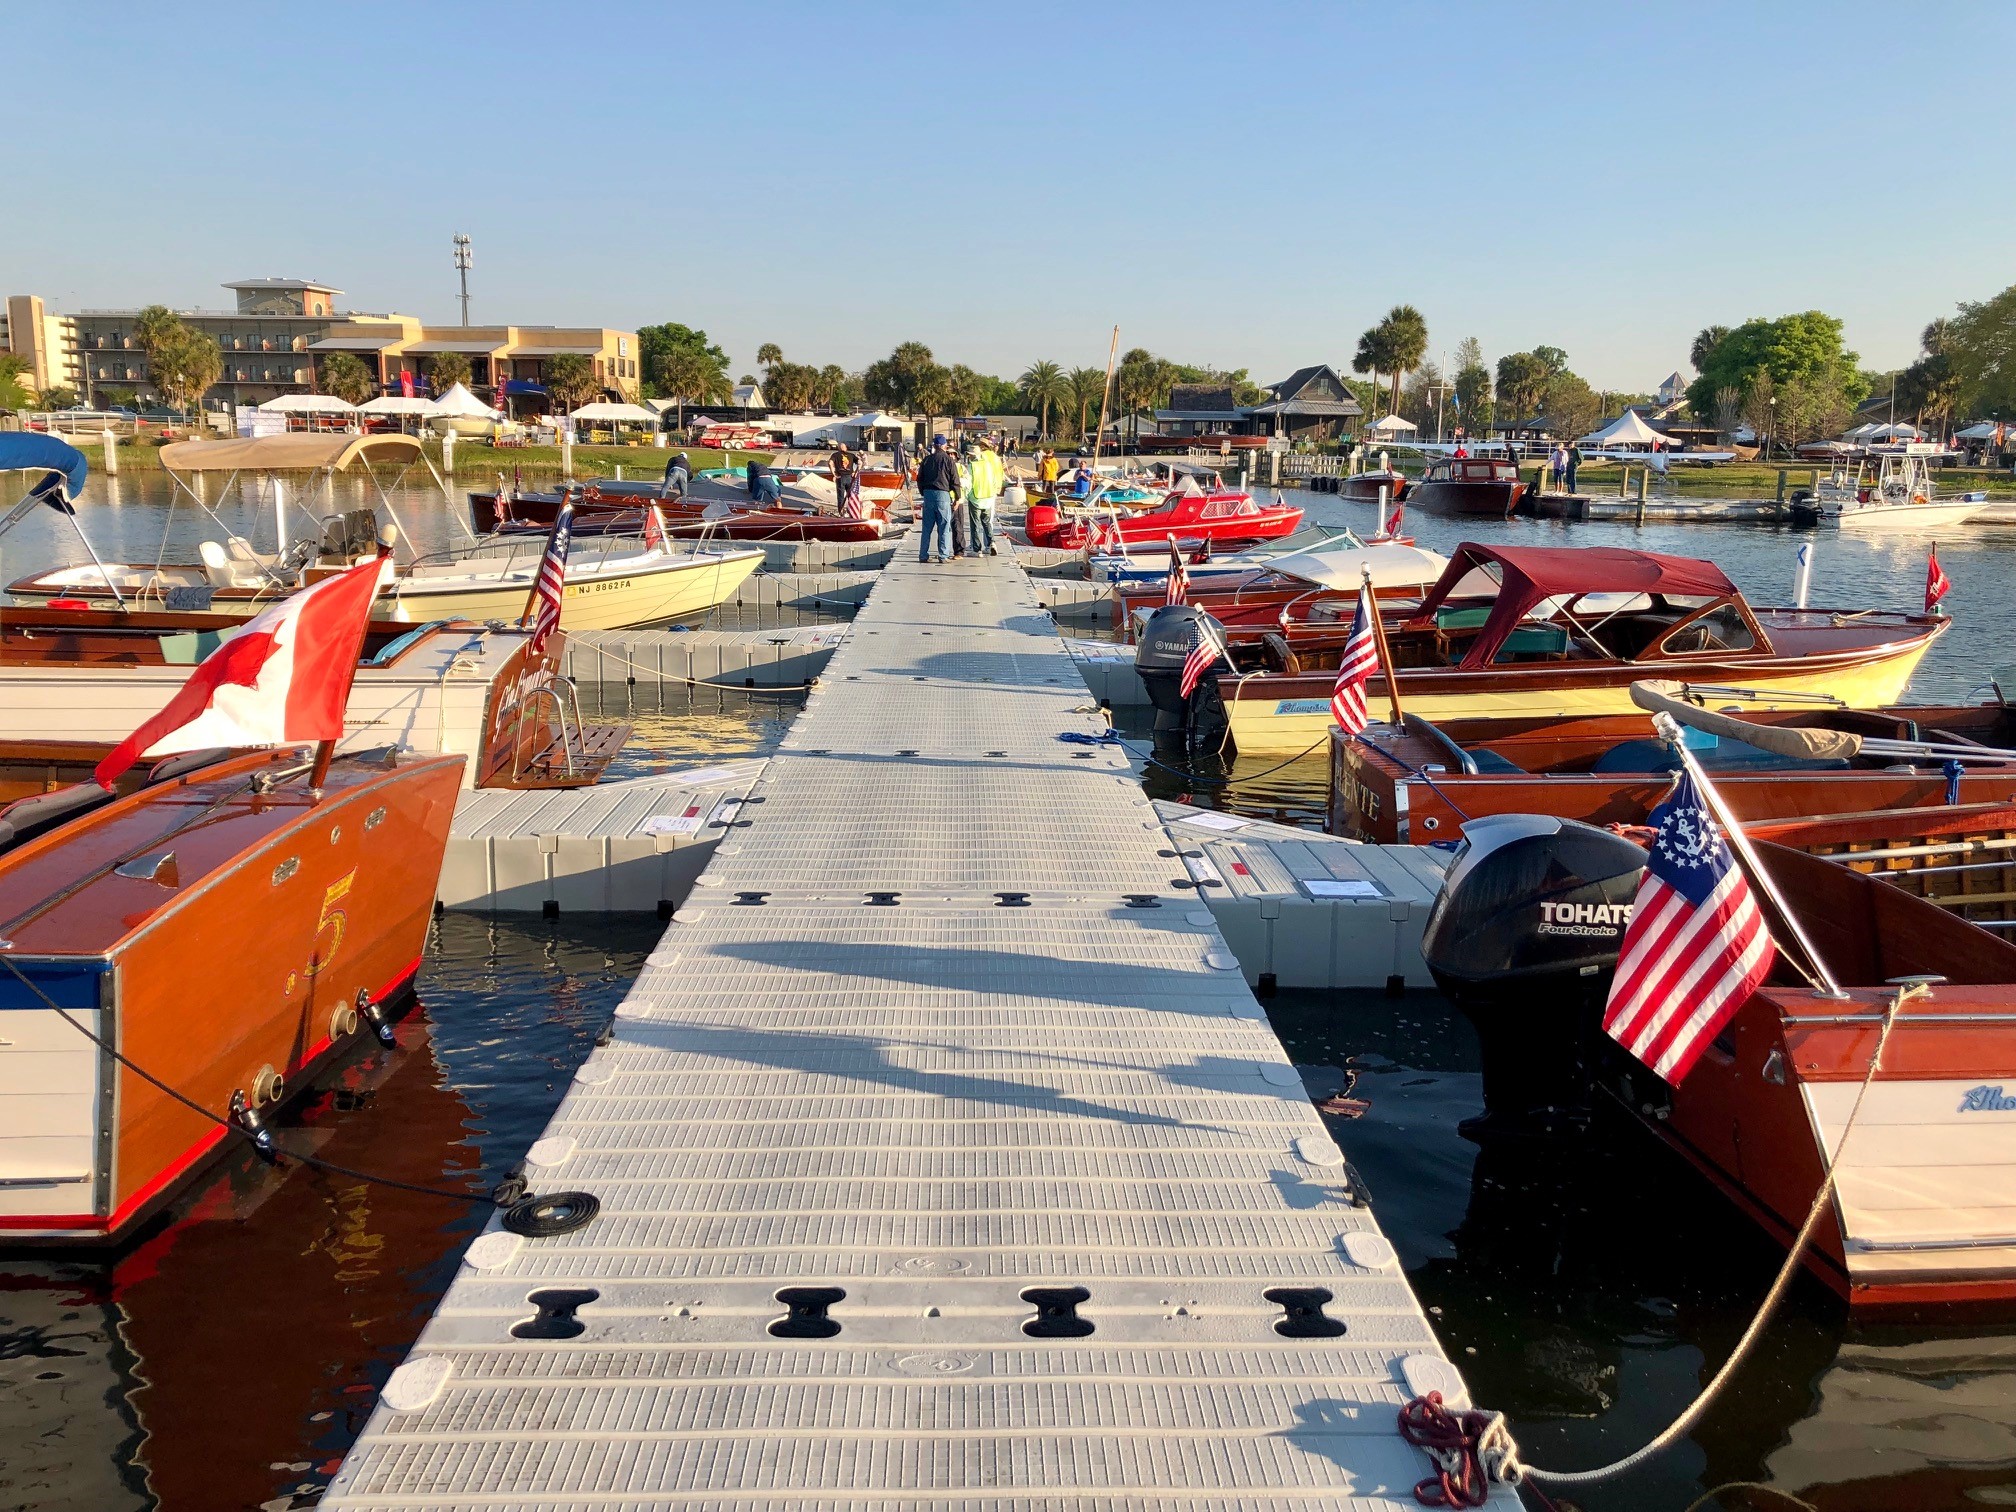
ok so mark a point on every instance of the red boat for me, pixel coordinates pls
(1487, 486)
(1525, 938)
(1155, 443)
(1221, 519)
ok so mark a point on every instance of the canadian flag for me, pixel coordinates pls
(284, 678)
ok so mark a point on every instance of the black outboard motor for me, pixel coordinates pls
(1193, 726)
(1524, 940)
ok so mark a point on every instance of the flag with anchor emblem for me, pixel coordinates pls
(1696, 945)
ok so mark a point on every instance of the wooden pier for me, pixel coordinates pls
(945, 1159)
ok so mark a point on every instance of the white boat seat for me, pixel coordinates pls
(222, 571)
(240, 550)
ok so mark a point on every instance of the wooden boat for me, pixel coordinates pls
(455, 688)
(1317, 586)
(135, 913)
(1961, 857)
(1924, 1213)
(1365, 487)
(1159, 443)
(1533, 631)
(780, 523)
(1486, 486)
(1220, 519)
(1421, 783)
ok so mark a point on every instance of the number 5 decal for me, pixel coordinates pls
(333, 919)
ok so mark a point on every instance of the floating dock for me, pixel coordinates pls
(945, 1159)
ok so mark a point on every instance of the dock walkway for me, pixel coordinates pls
(945, 1159)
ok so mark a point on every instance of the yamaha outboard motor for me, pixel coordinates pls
(1524, 940)
(1193, 726)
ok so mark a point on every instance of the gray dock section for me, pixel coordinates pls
(938, 1031)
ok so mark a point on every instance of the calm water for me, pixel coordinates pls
(1588, 1290)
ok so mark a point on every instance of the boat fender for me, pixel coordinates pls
(246, 1118)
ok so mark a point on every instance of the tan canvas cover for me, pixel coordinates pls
(295, 453)
(1659, 696)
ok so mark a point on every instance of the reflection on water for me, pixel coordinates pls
(1589, 1288)
(228, 1360)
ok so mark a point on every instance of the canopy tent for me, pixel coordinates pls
(1392, 425)
(300, 452)
(634, 414)
(1982, 430)
(395, 404)
(58, 462)
(1898, 432)
(459, 404)
(308, 404)
(1628, 429)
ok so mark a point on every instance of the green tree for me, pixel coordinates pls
(1044, 388)
(1981, 341)
(1552, 360)
(931, 392)
(691, 375)
(119, 398)
(183, 365)
(964, 389)
(1472, 387)
(893, 383)
(789, 385)
(1088, 387)
(59, 396)
(830, 384)
(769, 354)
(1571, 405)
(154, 326)
(1815, 379)
(346, 376)
(1522, 386)
(570, 379)
(446, 369)
(14, 394)
(1393, 346)
(656, 345)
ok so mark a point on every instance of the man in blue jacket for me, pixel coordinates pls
(938, 482)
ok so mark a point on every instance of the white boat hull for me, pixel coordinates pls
(619, 594)
(1903, 516)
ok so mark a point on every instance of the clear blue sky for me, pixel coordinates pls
(1006, 183)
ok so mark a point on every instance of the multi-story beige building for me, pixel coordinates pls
(47, 343)
(284, 330)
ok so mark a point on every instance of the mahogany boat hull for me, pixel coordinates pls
(1364, 488)
(174, 971)
(1494, 499)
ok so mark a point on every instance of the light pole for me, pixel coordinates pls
(463, 258)
(1771, 428)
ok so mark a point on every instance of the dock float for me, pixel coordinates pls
(944, 1159)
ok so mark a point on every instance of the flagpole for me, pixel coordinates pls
(1385, 651)
(1669, 730)
(1112, 350)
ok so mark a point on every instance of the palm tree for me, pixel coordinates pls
(570, 379)
(1936, 337)
(346, 376)
(153, 326)
(1705, 342)
(769, 354)
(692, 377)
(184, 366)
(1406, 344)
(1044, 385)
(832, 380)
(446, 369)
(1088, 387)
(1375, 353)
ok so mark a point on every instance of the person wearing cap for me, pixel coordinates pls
(986, 477)
(846, 474)
(938, 483)
(678, 477)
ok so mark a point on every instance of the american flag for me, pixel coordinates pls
(1937, 584)
(1178, 591)
(543, 609)
(1204, 652)
(1695, 947)
(850, 498)
(1354, 671)
(654, 528)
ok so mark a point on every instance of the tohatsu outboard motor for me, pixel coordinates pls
(1193, 726)
(1524, 940)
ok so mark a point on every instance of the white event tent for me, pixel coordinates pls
(308, 404)
(1628, 429)
(1392, 425)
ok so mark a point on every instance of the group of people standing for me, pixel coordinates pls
(959, 497)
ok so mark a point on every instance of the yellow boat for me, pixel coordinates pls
(663, 585)
(1550, 631)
